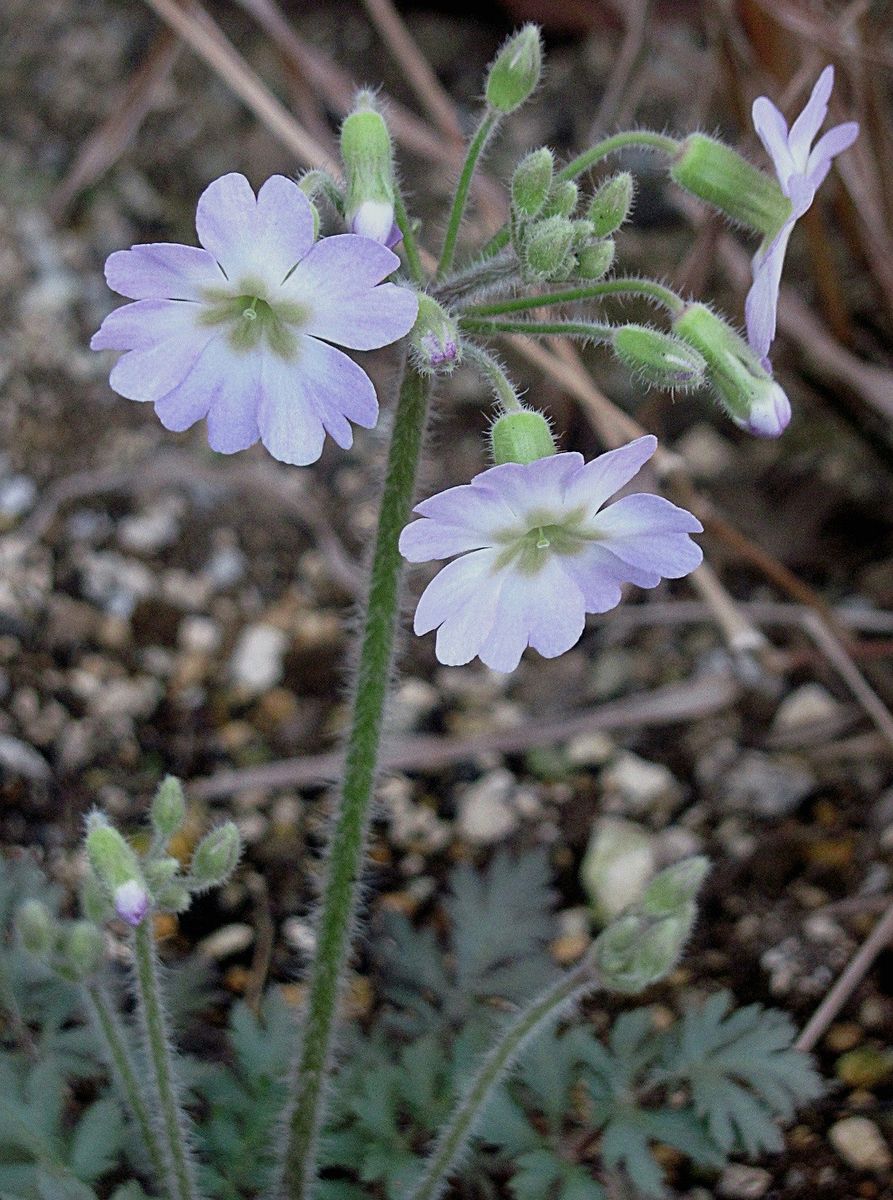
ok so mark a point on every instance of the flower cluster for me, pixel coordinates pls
(537, 551)
(801, 167)
(244, 331)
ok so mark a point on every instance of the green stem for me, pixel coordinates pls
(547, 1007)
(410, 244)
(348, 841)
(106, 1020)
(476, 147)
(581, 329)
(178, 1172)
(649, 288)
(603, 149)
(497, 378)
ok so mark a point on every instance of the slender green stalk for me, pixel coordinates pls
(476, 147)
(348, 840)
(499, 381)
(178, 1171)
(649, 288)
(580, 329)
(106, 1020)
(547, 1007)
(603, 149)
(410, 244)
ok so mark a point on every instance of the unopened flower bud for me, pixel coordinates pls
(36, 928)
(659, 358)
(168, 810)
(719, 175)
(736, 376)
(82, 949)
(548, 249)
(611, 204)
(521, 437)
(515, 71)
(216, 856)
(96, 904)
(672, 890)
(173, 897)
(368, 158)
(532, 182)
(159, 872)
(562, 200)
(595, 259)
(434, 340)
(633, 952)
(131, 901)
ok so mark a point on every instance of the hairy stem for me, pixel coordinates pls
(410, 244)
(178, 1175)
(348, 840)
(579, 329)
(476, 147)
(547, 1007)
(106, 1020)
(496, 377)
(649, 288)
(603, 149)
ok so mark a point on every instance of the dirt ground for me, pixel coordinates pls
(166, 609)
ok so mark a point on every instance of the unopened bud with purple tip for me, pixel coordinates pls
(434, 341)
(368, 157)
(117, 868)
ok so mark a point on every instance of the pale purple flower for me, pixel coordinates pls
(241, 332)
(537, 550)
(375, 219)
(131, 901)
(801, 168)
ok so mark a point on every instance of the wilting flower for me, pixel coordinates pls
(801, 168)
(241, 332)
(538, 551)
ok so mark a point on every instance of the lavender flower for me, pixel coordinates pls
(241, 332)
(538, 551)
(801, 168)
(131, 901)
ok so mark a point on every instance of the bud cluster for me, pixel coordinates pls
(73, 949)
(550, 240)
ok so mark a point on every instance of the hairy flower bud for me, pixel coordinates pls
(515, 71)
(117, 868)
(672, 891)
(611, 204)
(368, 157)
(216, 856)
(82, 949)
(659, 358)
(633, 952)
(174, 897)
(36, 927)
(521, 437)
(168, 810)
(532, 182)
(739, 381)
(548, 249)
(131, 901)
(160, 871)
(562, 200)
(719, 175)
(96, 904)
(434, 340)
(595, 259)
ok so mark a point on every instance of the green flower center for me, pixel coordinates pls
(529, 550)
(253, 320)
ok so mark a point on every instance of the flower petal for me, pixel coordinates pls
(222, 386)
(772, 130)
(462, 518)
(607, 474)
(283, 229)
(336, 388)
(810, 121)
(225, 219)
(425, 541)
(650, 533)
(761, 305)
(600, 575)
(537, 486)
(290, 427)
(556, 613)
(162, 271)
(337, 282)
(151, 372)
(826, 149)
(143, 323)
(452, 588)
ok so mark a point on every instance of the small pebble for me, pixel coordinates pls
(860, 1144)
(223, 943)
(808, 705)
(486, 811)
(257, 661)
(740, 1182)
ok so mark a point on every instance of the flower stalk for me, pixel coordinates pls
(649, 289)
(348, 841)
(485, 130)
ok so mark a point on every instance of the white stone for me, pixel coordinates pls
(740, 1182)
(257, 661)
(223, 943)
(642, 785)
(807, 705)
(860, 1144)
(617, 866)
(487, 812)
(152, 529)
(19, 758)
(17, 496)
(590, 749)
(199, 635)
